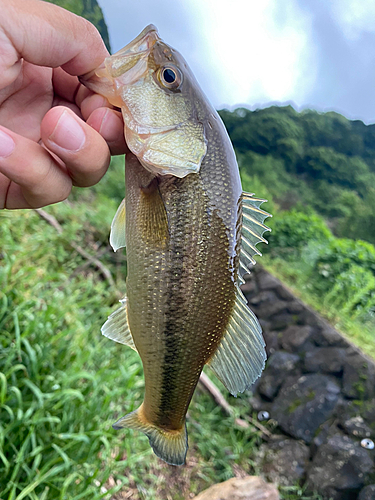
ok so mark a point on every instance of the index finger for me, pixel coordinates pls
(47, 35)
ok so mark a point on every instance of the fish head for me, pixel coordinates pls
(160, 102)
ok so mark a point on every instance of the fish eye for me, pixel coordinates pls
(170, 77)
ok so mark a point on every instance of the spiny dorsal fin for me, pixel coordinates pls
(252, 231)
(117, 236)
(117, 328)
(240, 357)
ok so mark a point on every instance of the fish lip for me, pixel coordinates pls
(141, 45)
(149, 36)
(131, 55)
(130, 63)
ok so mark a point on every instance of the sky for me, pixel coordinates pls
(317, 54)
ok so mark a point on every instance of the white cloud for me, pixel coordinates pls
(354, 17)
(258, 50)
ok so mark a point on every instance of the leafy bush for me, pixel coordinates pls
(353, 292)
(340, 255)
(293, 230)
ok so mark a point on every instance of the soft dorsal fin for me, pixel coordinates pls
(117, 236)
(117, 328)
(240, 357)
(252, 231)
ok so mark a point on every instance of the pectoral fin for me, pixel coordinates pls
(117, 236)
(240, 357)
(117, 328)
(252, 231)
(153, 216)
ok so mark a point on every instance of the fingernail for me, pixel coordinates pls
(7, 145)
(68, 133)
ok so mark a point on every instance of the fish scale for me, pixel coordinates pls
(190, 235)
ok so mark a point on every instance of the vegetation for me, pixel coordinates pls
(320, 160)
(318, 171)
(62, 384)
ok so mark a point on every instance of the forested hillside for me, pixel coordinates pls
(319, 160)
(318, 171)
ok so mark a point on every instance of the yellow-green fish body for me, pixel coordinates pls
(186, 237)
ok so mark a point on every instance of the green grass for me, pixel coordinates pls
(62, 384)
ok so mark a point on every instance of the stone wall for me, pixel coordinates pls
(320, 391)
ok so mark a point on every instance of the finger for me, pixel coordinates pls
(64, 85)
(82, 149)
(47, 35)
(57, 101)
(88, 101)
(110, 126)
(29, 175)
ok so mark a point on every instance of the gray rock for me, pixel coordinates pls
(295, 336)
(271, 338)
(358, 377)
(265, 324)
(259, 404)
(339, 469)
(265, 296)
(250, 287)
(368, 493)
(357, 418)
(284, 293)
(269, 309)
(283, 320)
(324, 360)
(357, 427)
(295, 307)
(325, 431)
(304, 403)
(368, 412)
(267, 282)
(279, 366)
(326, 336)
(283, 461)
(309, 317)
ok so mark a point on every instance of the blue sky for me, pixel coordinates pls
(311, 53)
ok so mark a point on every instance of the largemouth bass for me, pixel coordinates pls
(190, 234)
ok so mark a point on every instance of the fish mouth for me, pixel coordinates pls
(142, 44)
(129, 63)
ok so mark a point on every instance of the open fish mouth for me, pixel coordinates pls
(143, 43)
(130, 63)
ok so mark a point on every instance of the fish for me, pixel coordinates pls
(190, 235)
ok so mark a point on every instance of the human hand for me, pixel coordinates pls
(54, 133)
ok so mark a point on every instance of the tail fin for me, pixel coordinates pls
(170, 446)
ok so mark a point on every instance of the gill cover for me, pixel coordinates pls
(154, 88)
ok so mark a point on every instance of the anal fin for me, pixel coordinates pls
(240, 357)
(117, 328)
